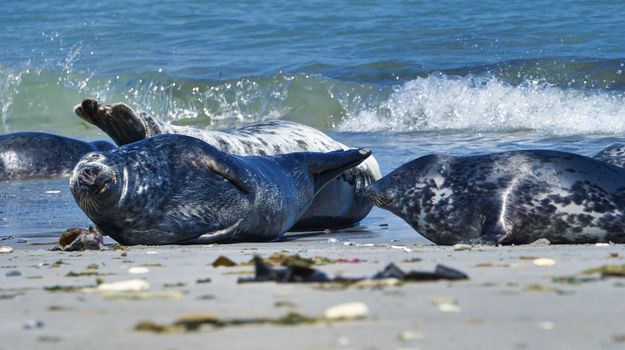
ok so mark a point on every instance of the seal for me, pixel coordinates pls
(614, 154)
(176, 189)
(507, 198)
(31, 155)
(340, 204)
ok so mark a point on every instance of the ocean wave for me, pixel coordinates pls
(383, 96)
(486, 103)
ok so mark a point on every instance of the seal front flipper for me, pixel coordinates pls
(119, 121)
(327, 166)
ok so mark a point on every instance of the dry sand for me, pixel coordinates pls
(508, 303)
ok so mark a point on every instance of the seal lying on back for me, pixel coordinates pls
(340, 204)
(614, 154)
(507, 198)
(28, 155)
(179, 189)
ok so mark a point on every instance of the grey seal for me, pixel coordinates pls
(340, 204)
(614, 154)
(178, 189)
(507, 198)
(30, 155)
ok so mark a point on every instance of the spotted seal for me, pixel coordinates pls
(173, 188)
(507, 198)
(340, 204)
(614, 154)
(28, 155)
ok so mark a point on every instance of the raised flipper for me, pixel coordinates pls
(118, 121)
(327, 166)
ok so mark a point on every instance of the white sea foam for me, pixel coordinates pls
(440, 102)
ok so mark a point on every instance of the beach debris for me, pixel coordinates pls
(23, 240)
(602, 244)
(460, 247)
(412, 260)
(66, 289)
(446, 304)
(76, 239)
(124, 286)
(614, 255)
(203, 280)
(540, 242)
(57, 264)
(410, 335)
(6, 238)
(297, 273)
(544, 262)
(174, 285)
(90, 270)
(285, 304)
(607, 271)
(401, 247)
(138, 270)
(198, 322)
(302, 274)
(33, 324)
(332, 240)
(223, 261)
(6, 250)
(347, 311)
(13, 273)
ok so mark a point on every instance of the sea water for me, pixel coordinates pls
(403, 78)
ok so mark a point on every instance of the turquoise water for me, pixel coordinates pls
(404, 78)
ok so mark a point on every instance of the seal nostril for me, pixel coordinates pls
(89, 174)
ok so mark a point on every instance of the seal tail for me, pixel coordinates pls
(327, 166)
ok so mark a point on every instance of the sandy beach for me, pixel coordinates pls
(512, 299)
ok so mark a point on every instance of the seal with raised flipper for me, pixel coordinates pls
(512, 197)
(175, 189)
(37, 155)
(340, 204)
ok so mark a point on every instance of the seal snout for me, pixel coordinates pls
(93, 177)
(378, 197)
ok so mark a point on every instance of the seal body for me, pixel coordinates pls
(340, 204)
(614, 154)
(179, 189)
(28, 155)
(507, 198)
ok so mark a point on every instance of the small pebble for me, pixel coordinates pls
(602, 244)
(151, 252)
(460, 246)
(32, 324)
(347, 311)
(544, 262)
(409, 335)
(332, 240)
(13, 273)
(6, 250)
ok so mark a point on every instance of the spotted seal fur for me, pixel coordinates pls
(507, 198)
(340, 204)
(31, 155)
(178, 189)
(614, 154)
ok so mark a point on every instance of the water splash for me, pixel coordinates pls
(485, 103)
